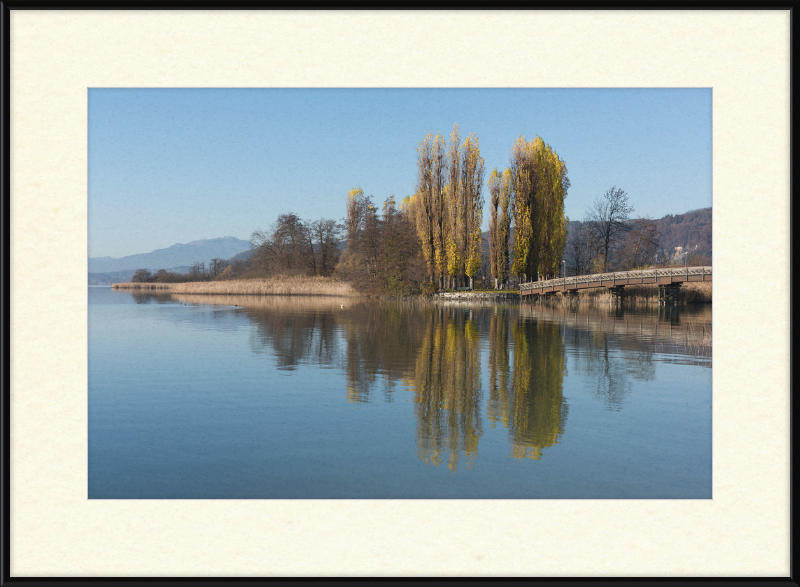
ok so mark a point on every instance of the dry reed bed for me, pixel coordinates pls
(308, 286)
(690, 293)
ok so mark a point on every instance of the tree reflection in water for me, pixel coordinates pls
(381, 347)
(527, 400)
(536, 409)
(434, 351)
(447, 388)
(144, 297)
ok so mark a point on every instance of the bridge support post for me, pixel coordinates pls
(618, 293)
(668, 294)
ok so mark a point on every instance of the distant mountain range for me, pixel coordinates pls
(178, 255)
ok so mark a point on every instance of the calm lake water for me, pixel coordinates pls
(299, 397)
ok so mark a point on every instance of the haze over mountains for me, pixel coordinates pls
(178, 255)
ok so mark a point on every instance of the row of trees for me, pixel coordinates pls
(447, 207)
(198, 272)
(434, 239)
(160, 276)
(383, 252)
(292, 246)
(530, 193)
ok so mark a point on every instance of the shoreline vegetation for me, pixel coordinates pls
(690, 293)
(297, 285)
(431, 241)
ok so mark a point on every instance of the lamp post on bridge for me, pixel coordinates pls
(563, 268)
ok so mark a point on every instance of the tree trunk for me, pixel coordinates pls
(470, 283)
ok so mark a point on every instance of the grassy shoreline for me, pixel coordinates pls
(690, 293)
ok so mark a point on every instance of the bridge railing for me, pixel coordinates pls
(617, 275)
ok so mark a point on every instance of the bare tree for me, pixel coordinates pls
(639, 246)
(579, 250)
(325, 237)
(198, 271)
(142, 276)
(290, 231)
(216, 267)
(285, 247)
(266, 252)
(608, 220)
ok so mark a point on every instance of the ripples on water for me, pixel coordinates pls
(335, 397)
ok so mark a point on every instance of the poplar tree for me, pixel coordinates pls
(448, 205)
(495, 187)
(456, 244)
(504, 229)
(438, 185)
(500, 225)
(472, 173)
(356, 209)
(423, 203)
(539, 182)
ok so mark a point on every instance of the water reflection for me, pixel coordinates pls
(151, 298)
(447, 389)
(434, 352)
(382, 341)
(294, 330)
(536, 411)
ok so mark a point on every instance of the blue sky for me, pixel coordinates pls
(170, 166)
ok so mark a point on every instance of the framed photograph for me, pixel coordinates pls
(296, 373)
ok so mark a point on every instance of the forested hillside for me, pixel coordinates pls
(679, 238)
(691, 231)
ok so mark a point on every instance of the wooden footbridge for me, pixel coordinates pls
(668, 280)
